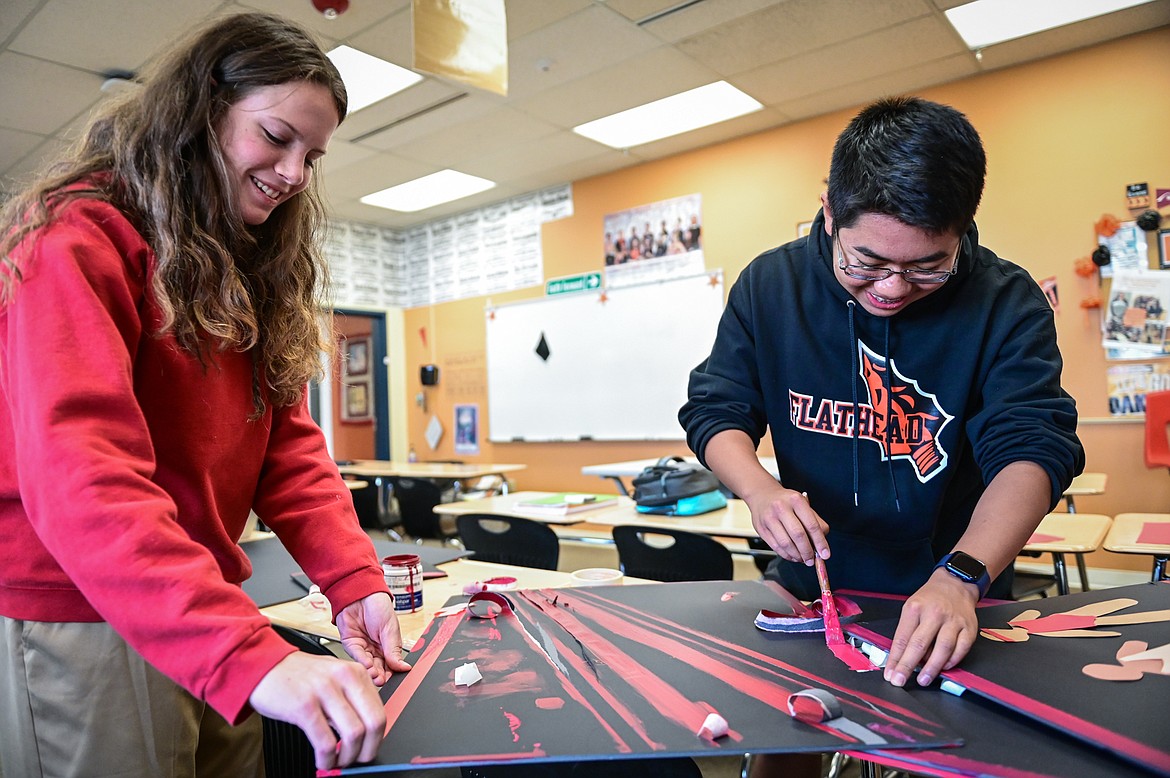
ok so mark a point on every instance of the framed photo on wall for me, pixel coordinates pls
(357, 403)
(356, 355)
(1164, 249)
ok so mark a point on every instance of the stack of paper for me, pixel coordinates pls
(564, 503)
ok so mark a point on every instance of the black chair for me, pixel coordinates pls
(764, 555)
(509, 540)
(417, 498)
(689, 557)
(370, 503)
(287, 751)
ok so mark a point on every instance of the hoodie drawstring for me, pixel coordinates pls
(889, 418)
(852, 304)
(854, 377)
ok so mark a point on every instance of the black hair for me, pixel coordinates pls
(920, 162)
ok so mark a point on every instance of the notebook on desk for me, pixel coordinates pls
(565, 503)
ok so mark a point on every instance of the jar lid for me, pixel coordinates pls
(401, 560)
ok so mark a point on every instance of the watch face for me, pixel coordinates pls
(967, 566)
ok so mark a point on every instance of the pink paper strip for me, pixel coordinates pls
(1040, 537)
(1156, 533)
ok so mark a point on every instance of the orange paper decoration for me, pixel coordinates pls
(1084, 267)
(1091, 302)
(1106, 225)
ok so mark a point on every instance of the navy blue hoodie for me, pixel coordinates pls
(948, 392)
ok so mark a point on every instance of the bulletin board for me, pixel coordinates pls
(603, 365)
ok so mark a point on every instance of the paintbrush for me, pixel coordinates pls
(834, 637)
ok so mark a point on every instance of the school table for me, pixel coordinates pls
(631, 468)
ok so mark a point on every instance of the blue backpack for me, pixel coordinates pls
(675, 487)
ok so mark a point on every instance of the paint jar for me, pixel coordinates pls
(403, 574)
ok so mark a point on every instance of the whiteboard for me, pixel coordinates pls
(617, 363)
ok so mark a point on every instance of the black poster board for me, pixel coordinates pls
(1042, 677)
(629, 672)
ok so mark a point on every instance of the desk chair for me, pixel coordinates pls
(509, 540)
(764, 554)
(1157, 417)
(1064, 533)
(287, 751)
(689, 557)
(417, 498)
(1142, 533)
(371, 506)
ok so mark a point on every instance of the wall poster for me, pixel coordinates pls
(654, 242)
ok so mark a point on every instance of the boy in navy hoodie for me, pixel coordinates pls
(911, 382)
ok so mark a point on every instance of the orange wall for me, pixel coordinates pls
(1064, 136)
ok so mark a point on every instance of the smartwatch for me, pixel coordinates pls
(967, 569)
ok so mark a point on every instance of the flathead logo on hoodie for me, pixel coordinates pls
(905, 425)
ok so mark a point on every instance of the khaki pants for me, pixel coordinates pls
(75, 700)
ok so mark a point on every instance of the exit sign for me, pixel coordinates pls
(586, 282)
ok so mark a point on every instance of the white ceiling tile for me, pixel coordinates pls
(654, 74)
(361, 15)
(697, 18)
(14, 145)
(525, 16)
(534, 157)
(894, 48)
(33, 161)
(787, 29)
(13, 14)
(636, 10)
(465, 110)
(96, 35)
(854, 95)
(24, 84)
(392, 39)
(572, 48)
(419, 97)
(489, 134)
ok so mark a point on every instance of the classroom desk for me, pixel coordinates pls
(1061, 533)
(616, 471)
(1083, 485)
(505, 505)
(442, 471)
(734, 521)
(436, 592)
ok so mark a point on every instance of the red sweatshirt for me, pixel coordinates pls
(127, 470)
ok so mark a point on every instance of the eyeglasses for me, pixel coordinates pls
(863, 272)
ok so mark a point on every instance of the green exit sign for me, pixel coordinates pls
(586, 282)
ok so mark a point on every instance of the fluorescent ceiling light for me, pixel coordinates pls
(369, 79)
(422, 193)
(672, 115)
(985, 22)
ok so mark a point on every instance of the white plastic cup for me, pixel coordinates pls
(596, 576)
